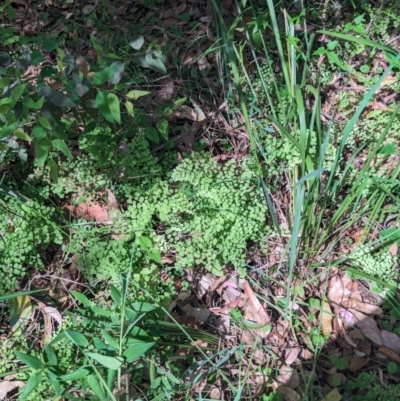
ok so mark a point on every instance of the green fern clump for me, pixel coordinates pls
(220, 209)
(25, 231)
(281, 153)
(383, 266)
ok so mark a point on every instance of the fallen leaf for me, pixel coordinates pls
(7, 386)
(389, 353)
(184, 113)
(288, 377)
(20, 311)
(326, 318)
(200, 313)
(288, 393)
(166, 92)
(291, 355)
(254, 310)
(391, 340)
(357, 362)
(368, 327)
(333, 395)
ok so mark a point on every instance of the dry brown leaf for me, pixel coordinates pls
(291, 355)
(389, 353)
(357, 362)
(254, 310)
(201, 314)
(391, 340)
(89, 212)
(184, 113)
(288, 393)
(368, 309)
(393, 250)
(6, 386)
(166, 92)
(326, 318)
(338, 292)
(368, 327)
(333, 395)
(288, 377)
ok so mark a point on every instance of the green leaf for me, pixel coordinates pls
(145, 242)
(129, 108)
(116, 77)
(44, 122)
(96, 44)
(77, 338)
(81, 298)
(17, 91)
(389, 149)
(56, 98)
(166, 383)
(116, 295)
(110, 339)
(78, 374)
(163, 128)
(109, 362)
(50, 44)
(36, 57)
(137, 42)
(50, 354)
(54, 170)
(96, 388)
(11, 14)
(19, 133)
(101, 101)
(113, 104)
(155, 255)
(142, 307)
(178, 103)
(359, 40)
(155, 60)
(62, 147)
(104, 75)
(33, 381)
(152, 134)
(4, 82)
(100, 311)
(5, 59)
(42, 148)
(136, 94)
(135, 351)
(30, 360)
